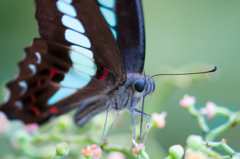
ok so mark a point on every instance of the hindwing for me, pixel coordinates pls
(54, 79)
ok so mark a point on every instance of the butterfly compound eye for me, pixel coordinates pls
(139, 85)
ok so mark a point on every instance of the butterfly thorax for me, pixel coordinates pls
(124, 97)
(129, 95)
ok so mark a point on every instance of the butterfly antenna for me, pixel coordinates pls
(193, 73)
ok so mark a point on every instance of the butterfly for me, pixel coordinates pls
(90, 56)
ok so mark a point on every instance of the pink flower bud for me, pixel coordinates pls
(93, 150)
(210, 110)
(116, 155)
(97, 151)
(4, 123)
(195, 155)
(187, 101)
(31, 128)
(138, 147)
(159, 119)
(87, 152)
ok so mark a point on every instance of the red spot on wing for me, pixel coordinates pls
(52, 73)
(38, 83)
(105, 72)
(33, 98)
(102, 78)
(53, 110)
(35, 110)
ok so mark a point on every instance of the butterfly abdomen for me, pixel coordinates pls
(90, 108)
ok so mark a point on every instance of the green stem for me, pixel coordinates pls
(219, 130)
(211, 153)
(220, 110)
(81, 139)
(202, 123)
(223, 145)
(144, 154)
(226, 157)
(58, 137)
(34, 152)
(55, 157)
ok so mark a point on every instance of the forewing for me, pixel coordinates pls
(79, 23)
(125, 19)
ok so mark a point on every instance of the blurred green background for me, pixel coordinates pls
(181, 35)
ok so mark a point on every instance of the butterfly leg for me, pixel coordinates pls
(105, 125)
(148, 123)
(148, 127)
(114, 119)
(134, 123)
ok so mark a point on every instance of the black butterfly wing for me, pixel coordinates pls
(80, 22)
(51, 83)
(128, 30)
(125, 20)
(76, 58)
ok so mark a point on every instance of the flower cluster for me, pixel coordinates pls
(24, 137)
(199, 147)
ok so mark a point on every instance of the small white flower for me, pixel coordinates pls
(187, 101)
(159, 119)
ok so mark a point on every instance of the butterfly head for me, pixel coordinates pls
(130, 94)
(141, 85)
(144, 85)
